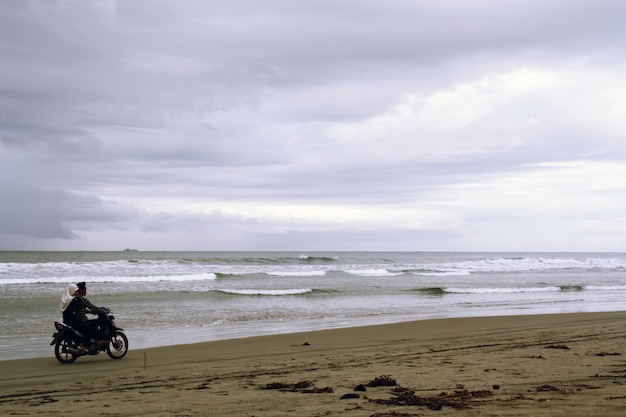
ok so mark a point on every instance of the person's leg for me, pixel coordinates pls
(95, 326)
(85, 330)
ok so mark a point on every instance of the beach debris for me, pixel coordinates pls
(348, 396)
(46, 400)
(394, 414)
(459, 399)
(360, 387)
(305, 387)
(536, 357)
(608, 354)
(495, 386)
(282, 385)
(557, 347)
(580, 387)
(547, 388)
(382, 381)
(303, 344)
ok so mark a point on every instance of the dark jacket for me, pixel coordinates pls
(75, 313)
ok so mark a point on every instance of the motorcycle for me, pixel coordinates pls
(66, 341)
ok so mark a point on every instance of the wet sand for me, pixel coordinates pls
(549, 365)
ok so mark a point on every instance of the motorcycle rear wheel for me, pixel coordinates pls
(118, 346)
(61, 351)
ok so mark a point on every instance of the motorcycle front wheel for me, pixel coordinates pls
(118, 346)
(62, 351)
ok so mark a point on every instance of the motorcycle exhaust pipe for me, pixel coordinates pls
(73, 351)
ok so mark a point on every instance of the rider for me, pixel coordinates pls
(77, 317)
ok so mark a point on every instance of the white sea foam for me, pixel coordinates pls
(303, 273)
(605, 287)
(372, 272)
(442, 273)
(109, 279)
(296, 291)
(531, 263)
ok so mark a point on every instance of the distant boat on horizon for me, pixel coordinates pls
(130, 250)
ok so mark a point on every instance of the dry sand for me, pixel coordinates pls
(551, 365)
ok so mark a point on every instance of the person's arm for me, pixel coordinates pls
(92, 308)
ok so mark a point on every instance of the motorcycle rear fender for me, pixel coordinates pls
(60, 335)
(63, 330)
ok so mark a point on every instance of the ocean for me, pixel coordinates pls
(163, 298)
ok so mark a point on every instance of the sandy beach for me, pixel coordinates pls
(549, 365)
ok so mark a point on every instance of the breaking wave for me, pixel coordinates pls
(295, 291)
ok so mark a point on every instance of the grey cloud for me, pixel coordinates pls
(163, 222)
(54, 213)
(165, 106)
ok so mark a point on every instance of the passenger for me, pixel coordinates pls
(66, 299)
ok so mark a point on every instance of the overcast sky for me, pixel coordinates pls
(313, 125)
